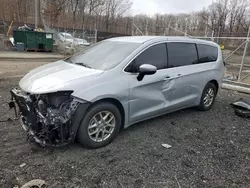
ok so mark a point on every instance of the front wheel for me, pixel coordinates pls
(208, 96)
(100, 125)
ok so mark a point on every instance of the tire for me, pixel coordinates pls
(203, 106)
(89, 137)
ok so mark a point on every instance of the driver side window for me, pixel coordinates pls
(155, 55)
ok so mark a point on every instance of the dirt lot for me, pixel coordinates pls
(16, 64)
(14, 68)
(209, 149)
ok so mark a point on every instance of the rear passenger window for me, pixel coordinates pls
(181, 54)
(155, 55)
(207, 53)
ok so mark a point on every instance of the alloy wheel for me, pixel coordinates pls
(101, 126)
(209, 97)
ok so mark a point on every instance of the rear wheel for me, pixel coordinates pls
(100, 125)
(208, 97)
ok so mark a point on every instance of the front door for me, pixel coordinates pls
(147, 97)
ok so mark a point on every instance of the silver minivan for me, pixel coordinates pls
(115, 83)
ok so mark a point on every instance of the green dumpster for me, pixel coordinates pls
(34, 41)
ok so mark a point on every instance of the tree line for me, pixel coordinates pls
(221, 18)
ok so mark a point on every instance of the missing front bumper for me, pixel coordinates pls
(53, 127)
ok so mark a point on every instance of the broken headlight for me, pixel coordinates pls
(54, 112)
(54, 99)
(57, 107)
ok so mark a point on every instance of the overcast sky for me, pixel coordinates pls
(168, 6)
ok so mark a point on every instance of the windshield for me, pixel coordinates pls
(104, 55)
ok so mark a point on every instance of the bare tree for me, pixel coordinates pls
(74, 7)
(53, 9)
(222, 17)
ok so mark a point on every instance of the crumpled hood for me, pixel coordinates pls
(55, 77)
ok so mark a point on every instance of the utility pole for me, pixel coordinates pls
(132, 26)
(186, 27)
(213, 35)
(147, 27)
(83, 33)
(37, 14)
(96, 35)
(169, 28)
(219, 33)
(206, 32)
(96, 32)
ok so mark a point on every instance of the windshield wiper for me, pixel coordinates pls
(83, 64)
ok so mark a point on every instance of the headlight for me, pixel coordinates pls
(80, 100)
(56, 99)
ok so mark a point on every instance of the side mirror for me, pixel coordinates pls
(146, 69)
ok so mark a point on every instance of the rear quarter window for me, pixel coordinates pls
(207, 53)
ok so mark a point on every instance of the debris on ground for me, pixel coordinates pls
(18, 182)
(166, 146)
(37, 183)
(177, 181)
(2, 121)
(22, 165)
(230, 76)
(241, 107)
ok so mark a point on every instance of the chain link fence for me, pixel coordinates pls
(70, 41)
(236, 56)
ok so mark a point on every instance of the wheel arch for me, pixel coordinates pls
(83, 108)
(115, 102)
(215, 83)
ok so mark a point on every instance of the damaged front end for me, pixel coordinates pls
(47, 118)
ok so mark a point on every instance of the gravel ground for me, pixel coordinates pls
(12, 68)
(209, 149)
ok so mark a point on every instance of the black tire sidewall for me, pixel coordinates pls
(207, 87)
(82, 134)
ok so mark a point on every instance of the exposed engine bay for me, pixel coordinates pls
(47, 118)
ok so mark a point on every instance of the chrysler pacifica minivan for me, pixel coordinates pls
(115, 83)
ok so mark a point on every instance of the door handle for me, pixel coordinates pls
(167, 78)
(171, 78)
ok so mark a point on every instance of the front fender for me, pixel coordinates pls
(114, 89)
(78, 117)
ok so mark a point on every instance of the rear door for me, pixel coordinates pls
(183, 74)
